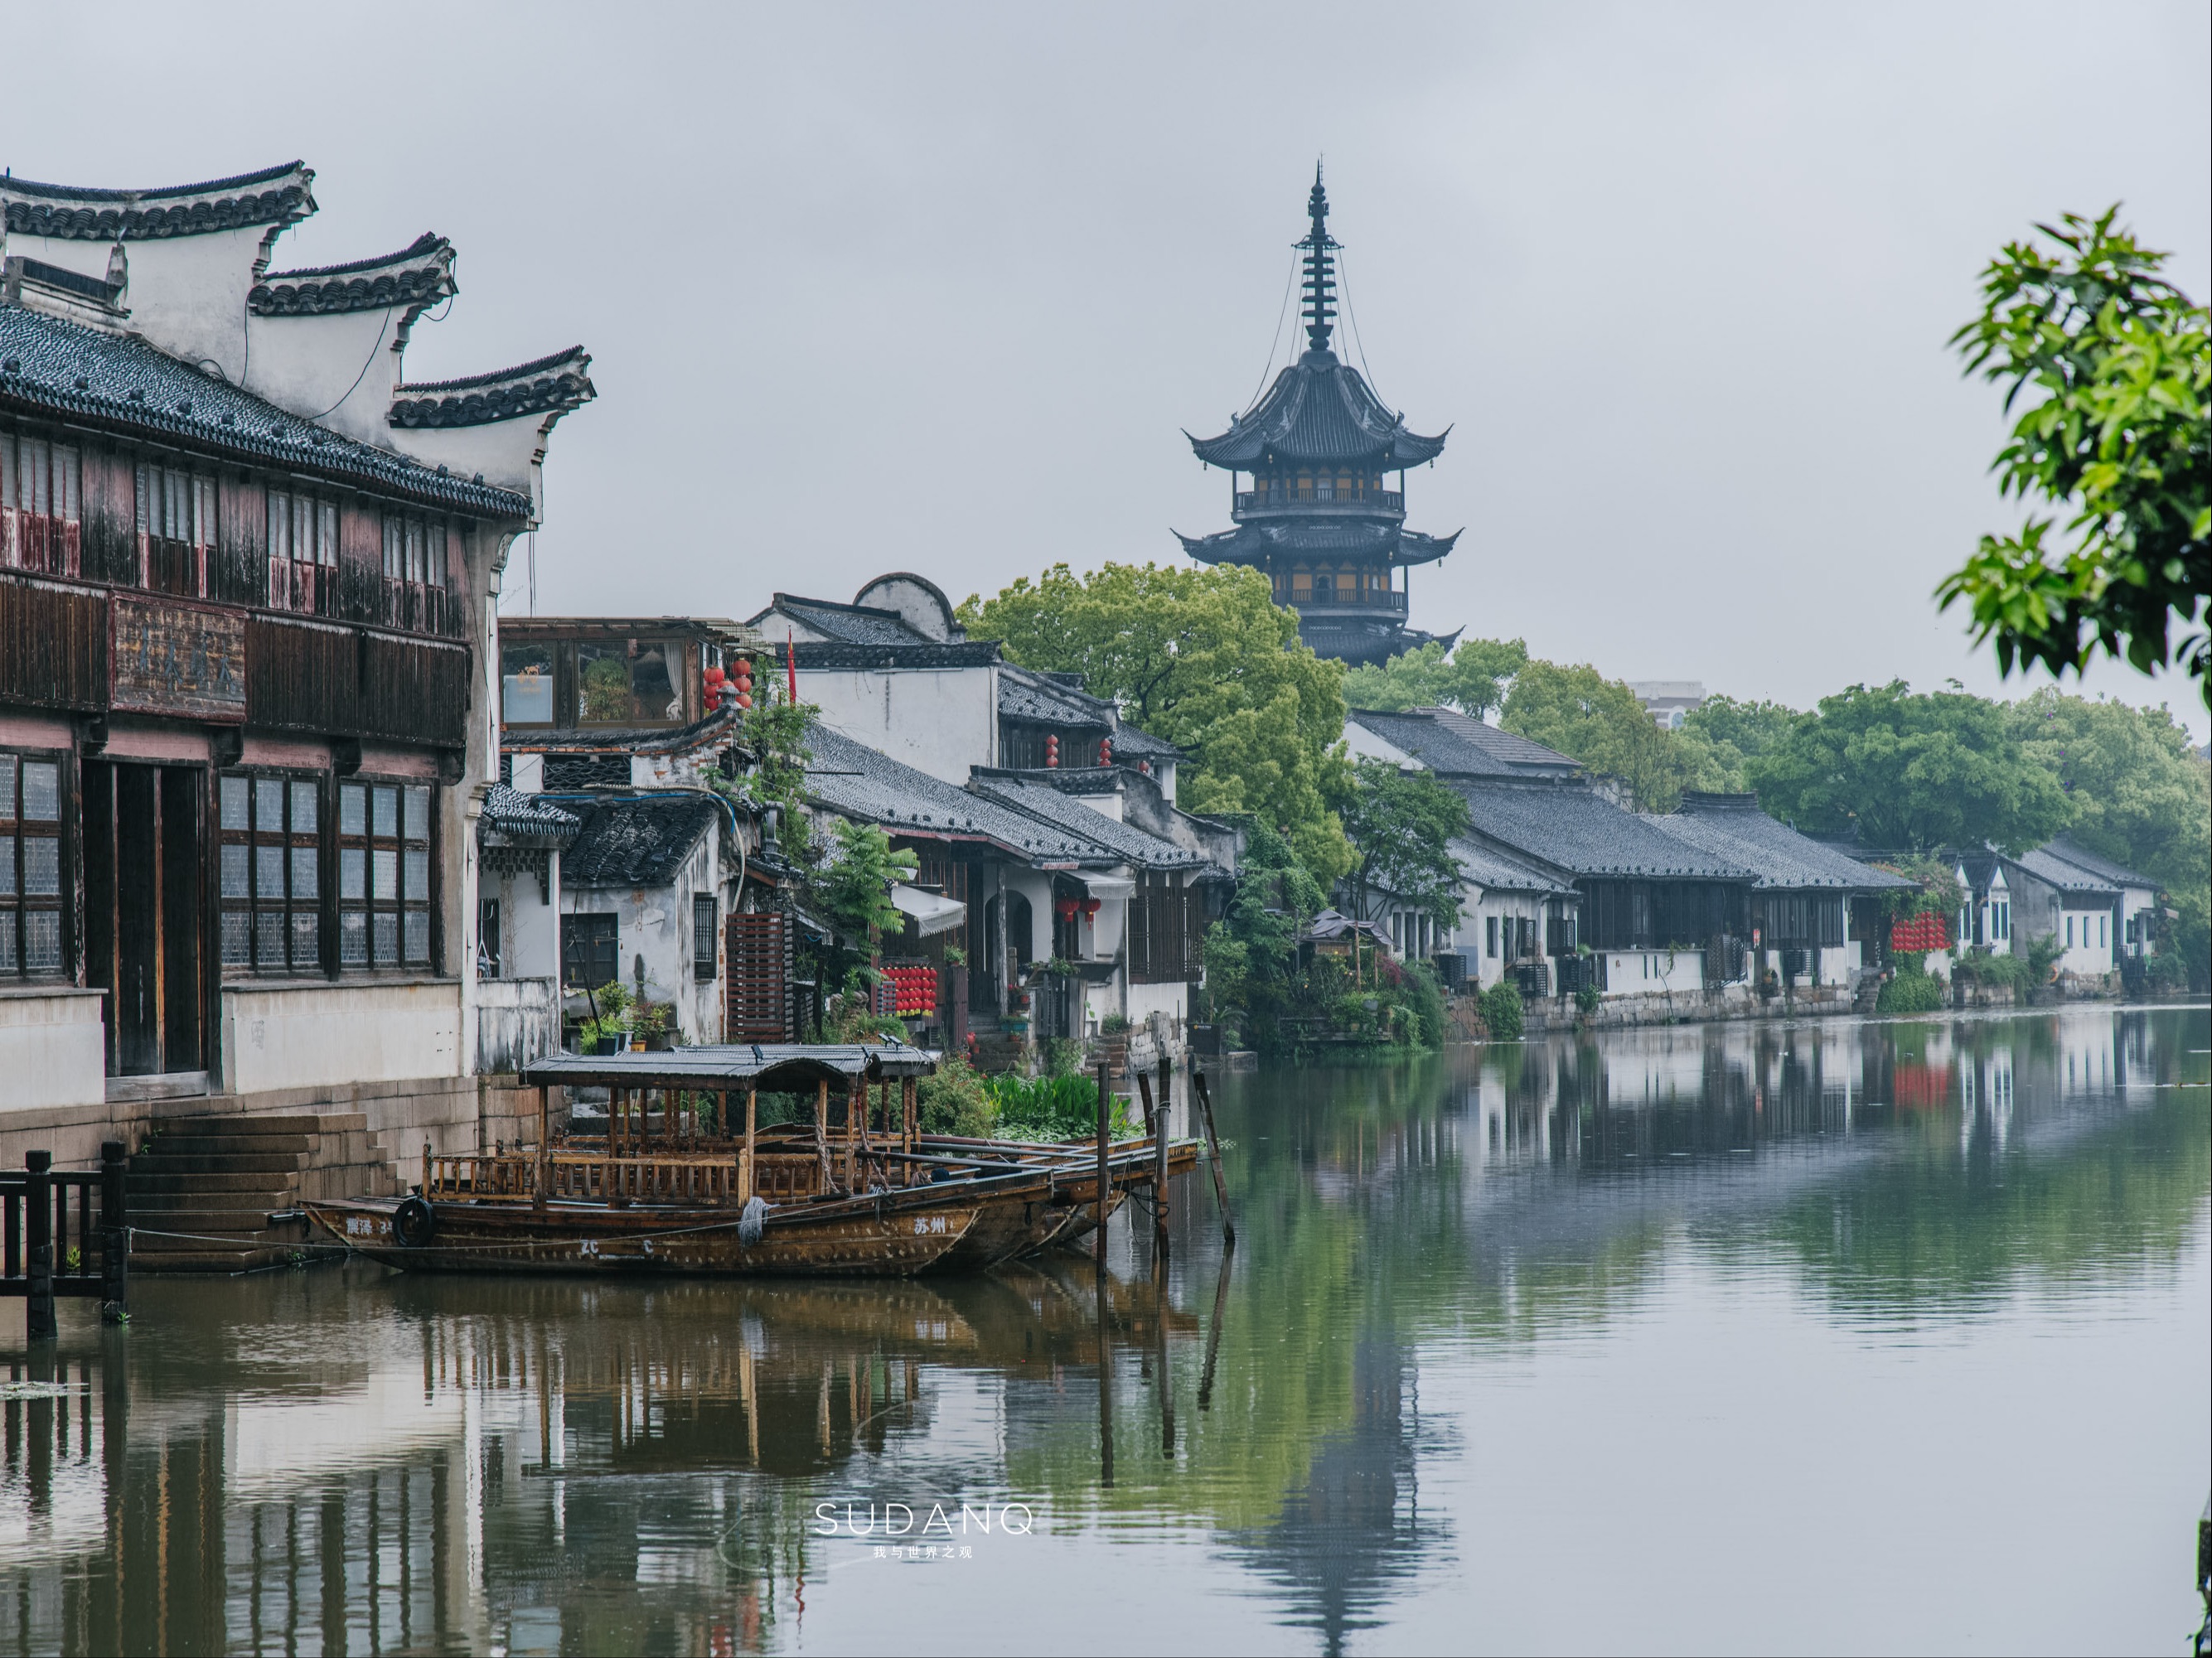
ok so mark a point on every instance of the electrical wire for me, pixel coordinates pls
(1289, 283)
(1351, 316)
(361, 376)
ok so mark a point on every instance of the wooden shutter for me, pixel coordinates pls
(759, 967)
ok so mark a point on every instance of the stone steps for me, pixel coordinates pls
(210, 1184)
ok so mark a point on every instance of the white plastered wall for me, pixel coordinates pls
(321, 1034)
(939, 720)
(54, 1049)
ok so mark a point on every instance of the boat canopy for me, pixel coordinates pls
(770, 1067)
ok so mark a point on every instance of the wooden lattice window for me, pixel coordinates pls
(758, 1001)
(30, 867)
(271, 885)
(384, 875)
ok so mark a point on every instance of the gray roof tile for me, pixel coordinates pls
(856, 782)
(1735, 829)
(635, 843)
(1570, 826)
(1048, 805)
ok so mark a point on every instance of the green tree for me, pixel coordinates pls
(1472, 678)
(1205, 659)
(855, 885)
(1912, 771)
(2117, 437)
(1716, 740)
(2140, 794)
(1402, 824)
(1600, 722)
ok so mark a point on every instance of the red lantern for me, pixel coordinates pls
(1105, 750)
(1064, 908)
(1090, 909)
(1052, 751)
(744, 700)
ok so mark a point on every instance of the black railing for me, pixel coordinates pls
(1339, 599)
(1373, 500)
(37, 1261)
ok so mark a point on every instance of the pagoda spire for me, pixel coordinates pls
(1320, 304)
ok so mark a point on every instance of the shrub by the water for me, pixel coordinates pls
(1501, 1010)
(954, 1101)
(1063, 1107)
(1911, 992)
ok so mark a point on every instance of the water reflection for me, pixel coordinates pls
(340, 1460)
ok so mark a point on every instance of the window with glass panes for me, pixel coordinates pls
(271, 886)
(383, 874)
(30, 866)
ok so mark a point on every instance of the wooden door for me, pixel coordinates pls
(142, 913)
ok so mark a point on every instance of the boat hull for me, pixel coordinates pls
(842, 1240)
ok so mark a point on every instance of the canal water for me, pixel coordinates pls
(1831, 1337)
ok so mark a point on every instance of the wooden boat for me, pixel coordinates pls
(674, 1190)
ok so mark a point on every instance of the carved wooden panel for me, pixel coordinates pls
(179, 659)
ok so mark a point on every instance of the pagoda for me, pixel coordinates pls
(1310, 490)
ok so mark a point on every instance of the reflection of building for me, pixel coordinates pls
(1322, 515)
(246, 571)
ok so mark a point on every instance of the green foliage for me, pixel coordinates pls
(1401, 825)
(1502, 1011)
(1052, 1108)
(2117, 437)
(1718, 740)
(1600, 722)
(622, 1016)
(1911, 990)
(1983, 967)
(1472, 679)
(1912, 771)
(1205, 659)
(855, 890)
(1251, 953)
(2139, 796)
(1586, 1000)
(954, 1101)
(1939, 892)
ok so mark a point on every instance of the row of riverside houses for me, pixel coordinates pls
(248, 573)
(1060, 892)
(1565, 890)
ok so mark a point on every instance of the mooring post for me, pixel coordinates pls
(1144, 1098)
(822, 1131)
(1105, 1377)
(544, 1173)
(114, 1230)
(1214, 1331)
(910, 1097)
(1160, 1161)
(1213, 1151)
(39, 1244)
(1105, 1206)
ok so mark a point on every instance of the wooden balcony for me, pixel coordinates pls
(1322, 602)
(1285, 500)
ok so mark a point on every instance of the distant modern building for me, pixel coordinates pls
(1311, 491)
(1669, 701)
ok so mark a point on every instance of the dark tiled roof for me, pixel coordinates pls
(1049, 806)
(421, 273)
(1733, 828)
(1329, 539)
(635, 843)
(1501, 871)
(506, 812)
(557, 382)
(2062, 873)
(1026, 695)
(857, 781)
(275, 195)
(1453, 744)
(967, 654)
(2099, 868)
(64, 368)
(1569, 826)
(849, 624)
(1318, 410)
(625, 739)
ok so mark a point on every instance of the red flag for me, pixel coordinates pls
(790, 668)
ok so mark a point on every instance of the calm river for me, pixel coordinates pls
(1827, 1338)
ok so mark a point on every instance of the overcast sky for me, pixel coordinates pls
(933, 288)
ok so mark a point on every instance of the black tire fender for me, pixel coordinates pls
(414, 1223)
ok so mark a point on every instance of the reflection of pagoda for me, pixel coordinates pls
(1316, 517)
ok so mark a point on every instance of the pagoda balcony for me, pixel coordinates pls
(1347, 603)
(1290, 501)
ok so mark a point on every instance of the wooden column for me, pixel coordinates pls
(856, 1115)
(1105, 1190)
(752, 1127)
(911, 1096)
(544, 1146)
(822, 1131)
(1160, 1164)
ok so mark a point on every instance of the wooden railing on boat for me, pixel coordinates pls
(569, 1174)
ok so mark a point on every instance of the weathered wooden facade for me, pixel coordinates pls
(1317, 488)
(245, 590)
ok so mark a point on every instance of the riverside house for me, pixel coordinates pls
(248, 574)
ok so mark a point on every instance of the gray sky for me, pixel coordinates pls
(933, 288)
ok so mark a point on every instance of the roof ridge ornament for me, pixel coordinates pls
(1319, 306)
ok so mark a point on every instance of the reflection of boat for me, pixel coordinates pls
(669, 1189)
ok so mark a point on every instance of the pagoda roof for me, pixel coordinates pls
(1319, 411)
(1317, 537)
